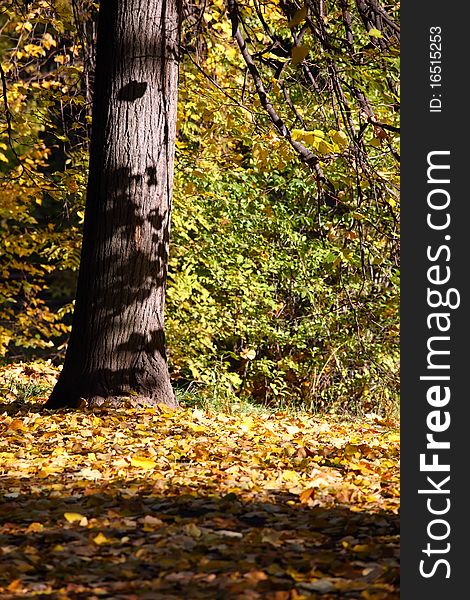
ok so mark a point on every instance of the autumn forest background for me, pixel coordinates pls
(281, 315)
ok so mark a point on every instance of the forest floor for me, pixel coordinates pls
(189, 504)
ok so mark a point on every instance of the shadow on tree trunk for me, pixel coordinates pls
(116, 351)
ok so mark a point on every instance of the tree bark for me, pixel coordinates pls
(116, 350)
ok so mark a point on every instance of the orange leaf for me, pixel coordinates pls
(306, 495)
(14, 585)
(17, 425)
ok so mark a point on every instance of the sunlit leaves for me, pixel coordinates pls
(72, 517)
(245, 500)
(262, 260)
(339, 138)
(142, 462)
(35, 226)
(374, 32)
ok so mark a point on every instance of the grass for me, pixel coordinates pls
(25, 383)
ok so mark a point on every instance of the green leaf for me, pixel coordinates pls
(375, 33)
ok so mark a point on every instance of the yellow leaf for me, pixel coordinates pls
(324, 147)
(73, 517)
(45, 472)
(373, 32)
(246, 424)
(339, 138)
(289, 475)
(196, 428)
(166, 410)
(198, 414)
(48, 41)
(361, 548)
(299, 53)
(143, 463)
(292, 429)
(100, 539)
(35, 527)
(299, 16)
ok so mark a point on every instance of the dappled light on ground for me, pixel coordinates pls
(164, 504)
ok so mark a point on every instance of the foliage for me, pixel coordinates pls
(41, 188)
(282, 287)
(251, 295)
(155, 503)
(280, 290)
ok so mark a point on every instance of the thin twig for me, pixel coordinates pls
(215, 84)
(305, 155)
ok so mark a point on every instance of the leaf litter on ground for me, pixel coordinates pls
(190, 503)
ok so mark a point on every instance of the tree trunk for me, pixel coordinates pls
(116, 350)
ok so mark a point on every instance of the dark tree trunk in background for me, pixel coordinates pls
(117, 346)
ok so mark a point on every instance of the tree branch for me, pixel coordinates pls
(7, 113)
(305, 155)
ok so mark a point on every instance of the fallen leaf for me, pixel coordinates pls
(100, 539)
(142, 462)
(73, 517)
(17, 425)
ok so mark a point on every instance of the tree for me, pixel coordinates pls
(275, 266)
(117, 345)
